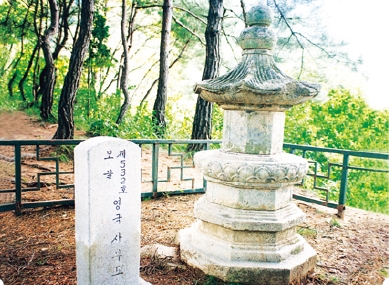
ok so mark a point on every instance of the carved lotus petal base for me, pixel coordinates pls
(251, 171)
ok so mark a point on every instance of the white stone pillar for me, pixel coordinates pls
(107, 199)
(253, 132)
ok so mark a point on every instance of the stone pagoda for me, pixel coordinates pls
(246, 222)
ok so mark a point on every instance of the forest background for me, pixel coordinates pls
(127, 69)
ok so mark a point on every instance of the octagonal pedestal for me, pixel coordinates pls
(210, 260)
(247, 246)
(246, 220)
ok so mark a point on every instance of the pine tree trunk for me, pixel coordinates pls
(126, 62)
(160, 101)
(72, 80)
(27, 71)
(47, 77)
(202, 122)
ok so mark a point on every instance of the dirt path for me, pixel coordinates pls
(18, 126)
(39, 248)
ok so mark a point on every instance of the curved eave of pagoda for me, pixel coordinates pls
(256, 84)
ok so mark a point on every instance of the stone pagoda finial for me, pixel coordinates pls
(256, 83)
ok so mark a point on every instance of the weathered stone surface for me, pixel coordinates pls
(231, 245)
(253, 132)
(212, 260)
(258, 37)
(258, 198)
(238, 219)
(260, 16)
(251, 171)
(159, 251)
(257, 83)
(107, 199)
(246, 221)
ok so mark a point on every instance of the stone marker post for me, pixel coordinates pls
(107, 199)
(246, 228)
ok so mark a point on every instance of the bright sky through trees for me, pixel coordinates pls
(361, 24)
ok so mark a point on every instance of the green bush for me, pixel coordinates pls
(345, 121)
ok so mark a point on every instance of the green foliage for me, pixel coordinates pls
(345, 121)
(217, 122)
(99, 117)
(179, 120)
(210, 280)
(99, 53)
(101, 114)
(139, 125)
(13, 16)
(307, 232)
(7, 102)
(103, 127)
(85, 106)
(100, 59)
(368, 190)
(184, 21)
(334, 223)
(20, 23)
(65, 153)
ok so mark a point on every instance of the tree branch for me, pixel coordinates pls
(302, 64)
(181, 53)
(141, 47)
(148, 92)
(170, 66)
(226, 37)
(140, 66)
(243, 12)
(152, 85)
(192, 14)
(316, 45)
(236, 15)
(288, 40)
(288, 25)
(174, 7)
(189, 30)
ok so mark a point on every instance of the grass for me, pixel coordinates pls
(334, 223)
(307, 232)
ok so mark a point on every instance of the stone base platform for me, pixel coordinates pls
(290, 270)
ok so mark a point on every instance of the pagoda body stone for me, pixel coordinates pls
(246, 222)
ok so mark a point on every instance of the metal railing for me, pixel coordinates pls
(344, 156)
(17, 204)
(161, 178)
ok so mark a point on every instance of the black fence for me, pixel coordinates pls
(40, 173)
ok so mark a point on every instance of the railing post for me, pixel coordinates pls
(343, 186)
(18, 180)
(154, 169)
(303, 156)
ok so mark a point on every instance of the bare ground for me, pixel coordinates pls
(39, 247)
